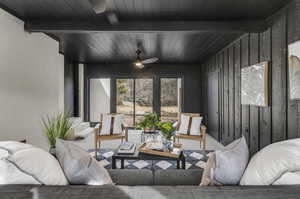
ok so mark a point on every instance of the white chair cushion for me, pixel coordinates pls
(275, 161)
(106, 124)
(79, 166)
(195, 126)
(184, 124)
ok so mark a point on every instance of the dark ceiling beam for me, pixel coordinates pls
(146, 26)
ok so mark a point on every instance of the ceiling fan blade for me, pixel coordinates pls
(99, 6)
(150, 60)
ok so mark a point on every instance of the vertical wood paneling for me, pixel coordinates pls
(265, 112)
(245, 108)
(281, 119)
(237, 89)
(293, 105)
(278, 78)
(226, 96)
(254, 110)
(231, 116)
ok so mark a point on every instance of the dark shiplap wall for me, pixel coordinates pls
(189, 73)
(260, 125)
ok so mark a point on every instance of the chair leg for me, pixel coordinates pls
(200, 144)
(204, 142)
(96, 144)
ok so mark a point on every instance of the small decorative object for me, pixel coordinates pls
(167, 131)
(294, 70)
(150, 123)
(58, 126)
(254, 80)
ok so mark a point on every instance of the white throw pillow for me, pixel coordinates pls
(231, 163)
(195, 126)
(39, 164)
(118, 124)
(79, 166)
(184, 124)
(106, 122)
(275, 161)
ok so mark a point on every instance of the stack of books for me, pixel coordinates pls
(127, 148)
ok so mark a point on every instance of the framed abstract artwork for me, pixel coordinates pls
(294, 70)
(254, 84)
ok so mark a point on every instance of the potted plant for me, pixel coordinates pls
(149, 123)
(167, 131)
(58, 126)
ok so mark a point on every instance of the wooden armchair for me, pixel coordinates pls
(111, 135)
(201, 138)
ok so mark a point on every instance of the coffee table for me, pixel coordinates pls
(142, 156)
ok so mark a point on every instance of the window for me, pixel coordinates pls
(134, 98)
(170, 98)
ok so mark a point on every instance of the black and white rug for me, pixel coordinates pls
(195, 159)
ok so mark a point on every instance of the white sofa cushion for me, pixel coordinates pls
(231, 163)
(79, 166)
(25, 164)
(39, 164)
(275, 161)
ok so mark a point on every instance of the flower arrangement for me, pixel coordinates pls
(149, 123)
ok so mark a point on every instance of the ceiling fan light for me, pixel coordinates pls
(139, 64)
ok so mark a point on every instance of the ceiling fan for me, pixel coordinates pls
(100, 6)
(139, 63)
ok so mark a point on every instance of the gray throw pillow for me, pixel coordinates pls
(79, 166)
(231, 163)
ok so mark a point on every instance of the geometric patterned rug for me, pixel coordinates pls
(195, 159)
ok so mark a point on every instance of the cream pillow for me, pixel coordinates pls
(106, 122)
(207, 176)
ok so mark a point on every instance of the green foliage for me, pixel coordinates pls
(57, 127)
(122, 87)
(167, 129)
(150, 121)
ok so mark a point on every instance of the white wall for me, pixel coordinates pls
(99, 98)
(31, 81)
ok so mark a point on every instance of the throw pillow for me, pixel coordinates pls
(184, 124)
(231, 163)
(40, 165)
(79, 166)
(111, 124)
(278, 163)
(196, 125)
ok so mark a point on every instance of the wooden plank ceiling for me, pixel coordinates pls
(168, 46)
